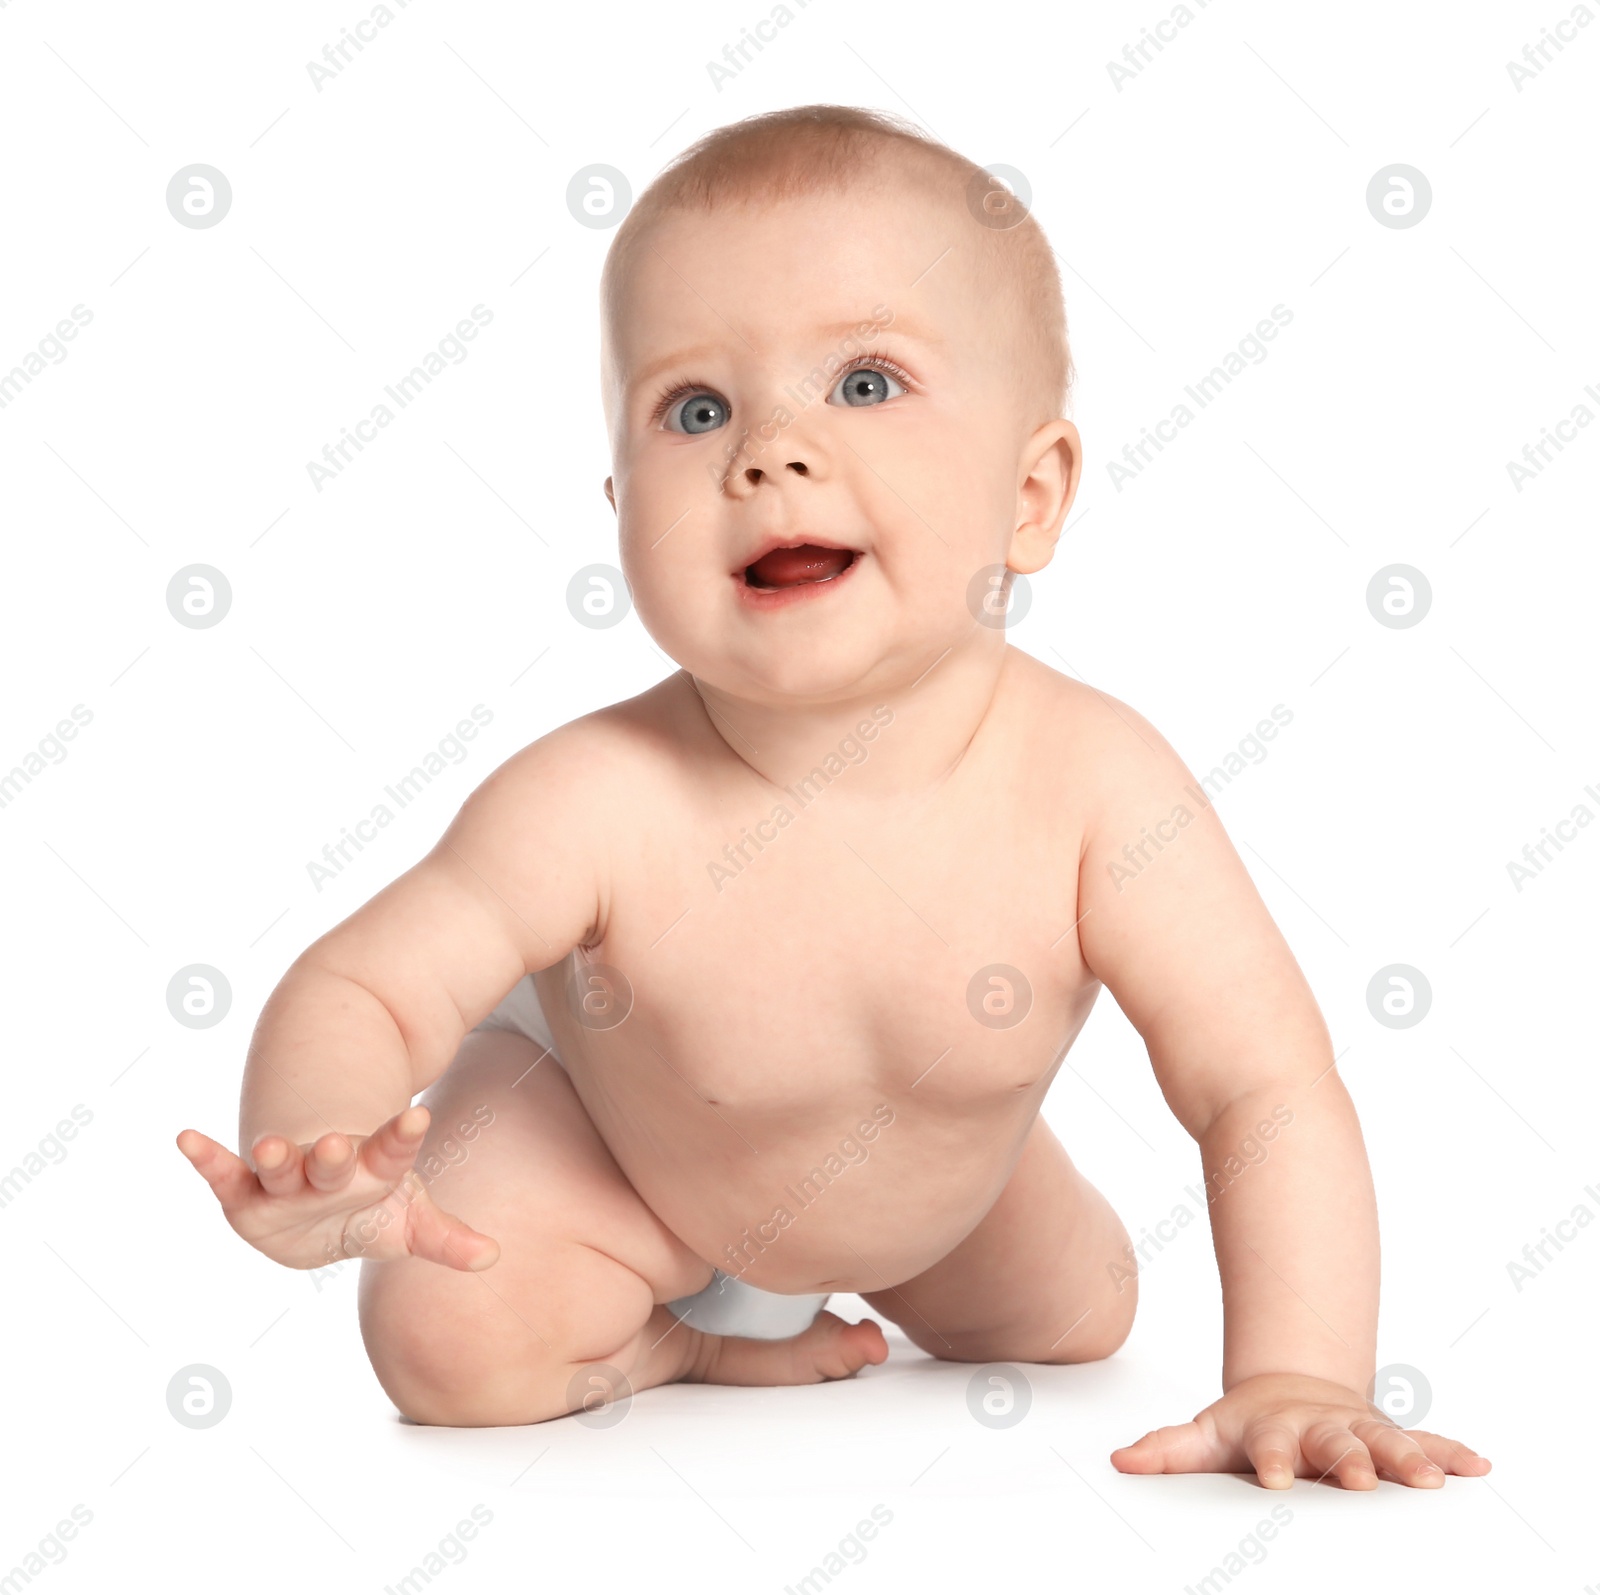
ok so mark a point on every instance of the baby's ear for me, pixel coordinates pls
(611, 498)
(1051, 464)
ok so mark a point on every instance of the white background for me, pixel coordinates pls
(429, 176)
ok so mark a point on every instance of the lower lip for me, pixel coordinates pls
(764, 599)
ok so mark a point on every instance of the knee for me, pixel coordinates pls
(1094, 1331)
(440, 1370)
(467, 1359)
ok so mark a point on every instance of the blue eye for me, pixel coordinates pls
(865, 385)
(700, 412)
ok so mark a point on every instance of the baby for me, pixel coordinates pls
(748, 990)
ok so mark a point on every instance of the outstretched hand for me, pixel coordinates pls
(339, 1196)
(1286, 1426)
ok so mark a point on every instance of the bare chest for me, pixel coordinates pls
(776, 964)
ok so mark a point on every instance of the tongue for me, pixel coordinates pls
(790, 567)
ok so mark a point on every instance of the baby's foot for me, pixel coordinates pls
(829, 1349)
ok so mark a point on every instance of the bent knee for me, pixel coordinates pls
(1093, 1332)
(449, 1350)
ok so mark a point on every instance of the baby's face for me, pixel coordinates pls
(746, 410)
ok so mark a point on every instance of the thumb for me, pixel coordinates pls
(231, 1179)
(440, 1237)
(1179, 1448)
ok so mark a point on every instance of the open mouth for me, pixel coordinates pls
(800, 566)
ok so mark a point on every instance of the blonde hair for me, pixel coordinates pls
(812, 149)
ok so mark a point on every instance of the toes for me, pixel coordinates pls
(834, 1349)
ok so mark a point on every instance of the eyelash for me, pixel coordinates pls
(874, 357)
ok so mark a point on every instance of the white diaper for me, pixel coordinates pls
(727, 1306)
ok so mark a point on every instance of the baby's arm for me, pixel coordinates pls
(1175, 928)
(372, 1013)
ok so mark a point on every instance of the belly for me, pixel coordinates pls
(832, 1122)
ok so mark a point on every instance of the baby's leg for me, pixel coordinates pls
(1045, 1277)
(584, 1270)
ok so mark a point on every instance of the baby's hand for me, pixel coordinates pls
(1285, 1424)
(341, 1196)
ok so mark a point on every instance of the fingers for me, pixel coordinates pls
(392, 1148)
(1180, 1448)
(280, 1165)
(1399, 1456)
(330, 1163)
(1451, 1455)
(1272, 1449)
(1331, 1449)
(228, 1175)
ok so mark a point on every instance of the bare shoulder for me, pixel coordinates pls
(1100, 750)
(591, 770)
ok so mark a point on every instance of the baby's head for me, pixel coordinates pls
(820, 327)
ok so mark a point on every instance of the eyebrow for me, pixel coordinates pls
(832, 332)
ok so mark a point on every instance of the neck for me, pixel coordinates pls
(895, 742)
